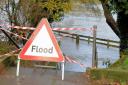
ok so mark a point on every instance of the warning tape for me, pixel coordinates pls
(66, 57)
(20, 27)
(10, 53)
(62, 36)
(59, 29)
(74, 61)
(24, 28)
(79, 29)
(21, 37)
(14, 34)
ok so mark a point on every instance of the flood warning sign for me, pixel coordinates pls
(42, 45)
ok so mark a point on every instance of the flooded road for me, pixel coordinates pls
(81, 17)
(82, 53)
(39, 76)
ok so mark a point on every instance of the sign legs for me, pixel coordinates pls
(18, 66)
(62, 70)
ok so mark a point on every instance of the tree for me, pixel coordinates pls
(10, 8)
(120, 27)
(34, 10)
(29, 12)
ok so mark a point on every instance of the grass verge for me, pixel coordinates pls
(116, 73)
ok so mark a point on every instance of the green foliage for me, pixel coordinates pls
(34, 10)
(5, 47)
(109, 75)
(117, 5)
(9, 8)
(10, 61)
(121, 64)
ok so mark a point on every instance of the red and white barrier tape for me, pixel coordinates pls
(14, 34)
(67, 58)
(73, 61)
(79, 29)
(21, 37)
(62, 36)
(8, 54)
(20, 27)
(24, 28)
(60, 29)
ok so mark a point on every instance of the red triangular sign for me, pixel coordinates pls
(42, 45)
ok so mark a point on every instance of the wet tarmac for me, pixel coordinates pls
(40, 76)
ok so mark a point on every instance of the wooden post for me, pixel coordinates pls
(107, 43)
(88, 40)
(77, 39)
(94, 53)
(72, 36)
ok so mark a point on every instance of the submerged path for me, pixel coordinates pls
(40, 76)
(82, 53)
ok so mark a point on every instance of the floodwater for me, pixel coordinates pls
(86, 20)
(83, 52)
(39, 76)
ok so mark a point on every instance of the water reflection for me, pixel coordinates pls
(82, 53)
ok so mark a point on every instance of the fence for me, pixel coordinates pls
(89, 39)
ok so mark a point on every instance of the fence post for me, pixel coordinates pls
(88, 40)
(72, 36)
(94, 53)
(59, 32)
(77, 39)
(107, 43)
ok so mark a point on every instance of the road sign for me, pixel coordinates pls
(42, 45)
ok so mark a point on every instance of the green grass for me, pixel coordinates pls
(112, 74)
(116, 72)
(121, 64)
(9, 61)
(5, 47)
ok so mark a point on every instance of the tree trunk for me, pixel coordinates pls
(120, 28)
(122, 20)
(109, 18)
